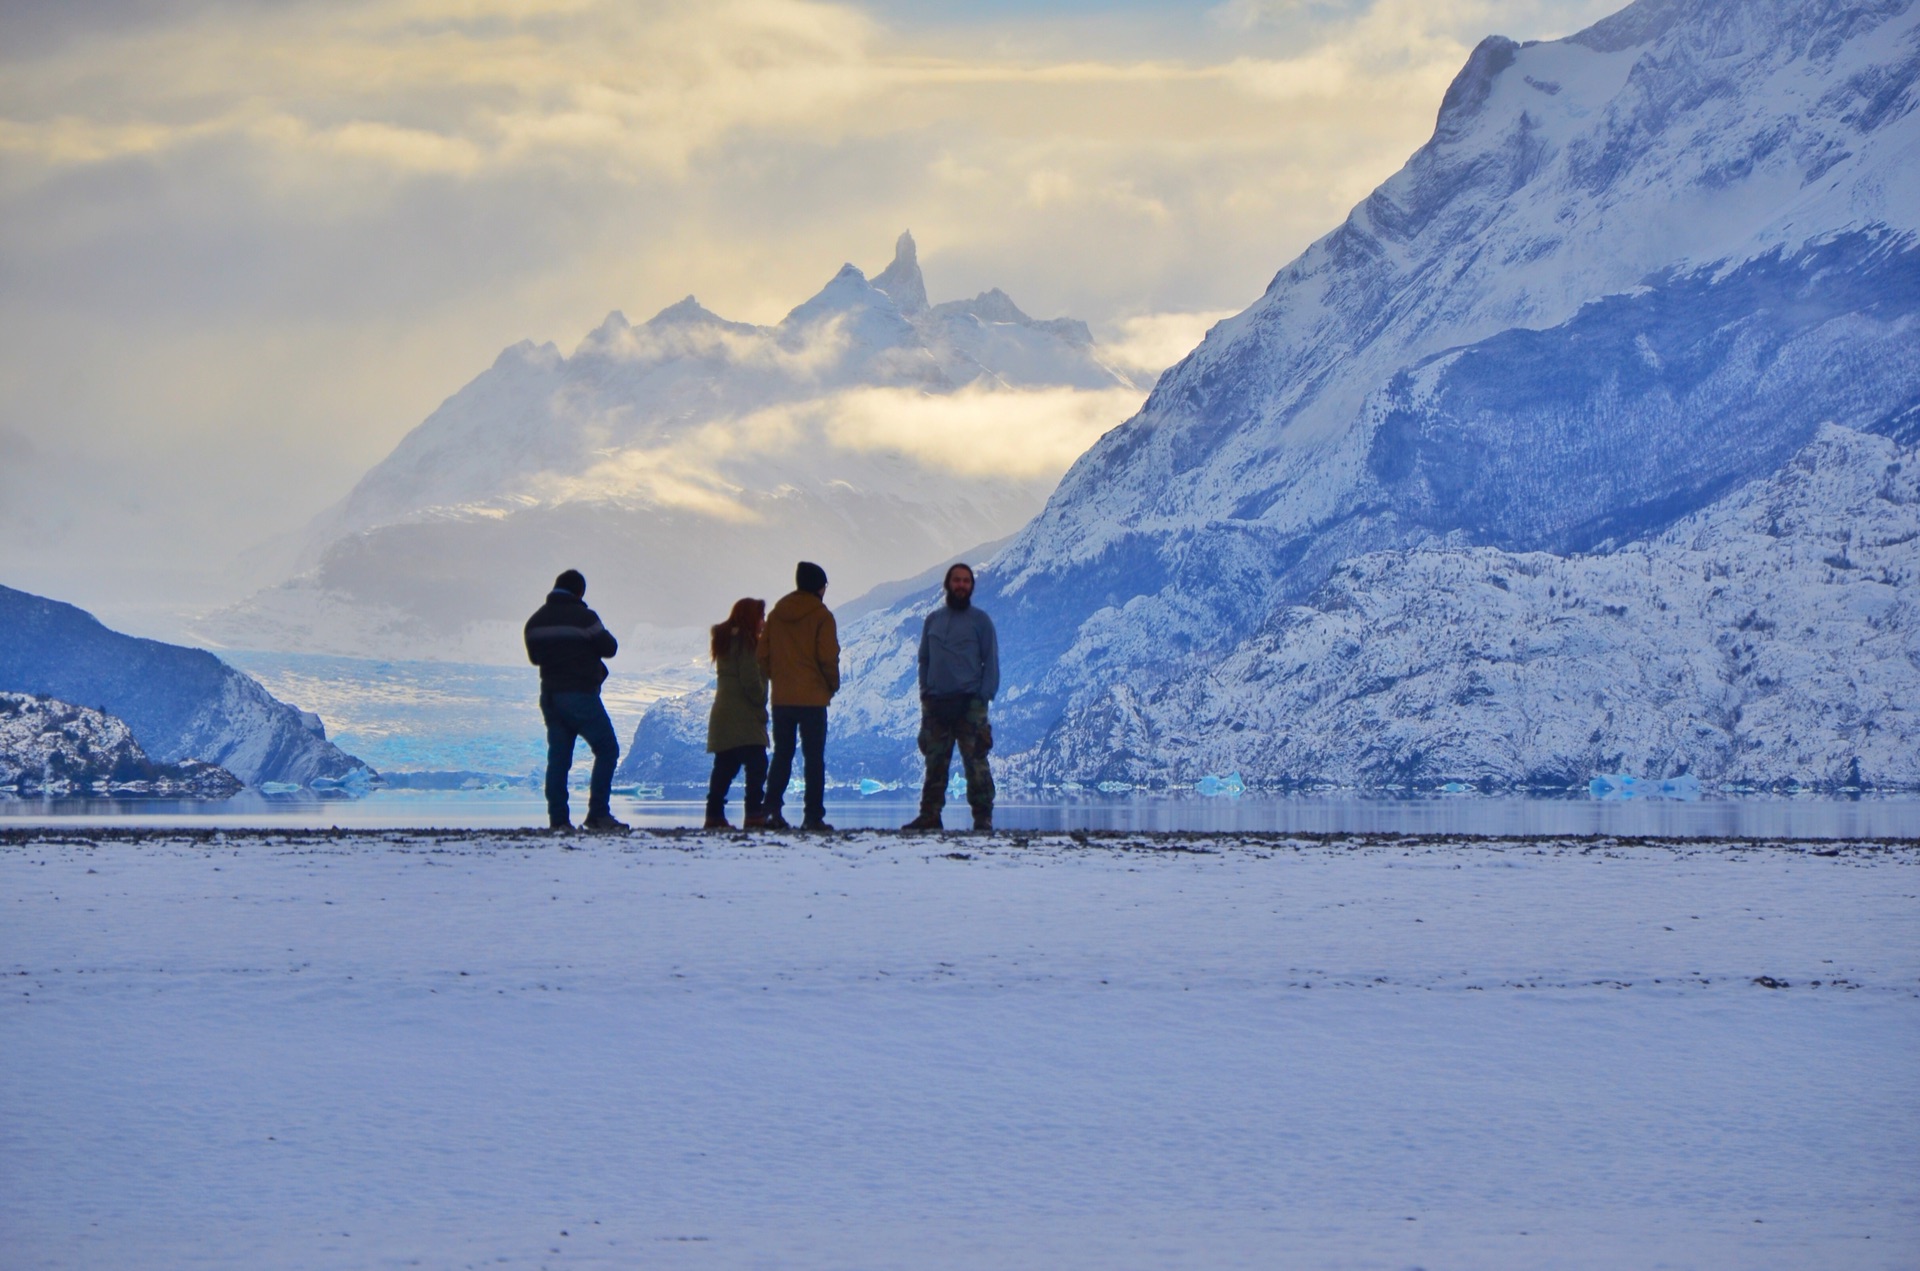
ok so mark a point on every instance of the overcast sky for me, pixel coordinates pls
(245, 246)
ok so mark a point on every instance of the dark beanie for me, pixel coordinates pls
(808, 576)
(571, 580)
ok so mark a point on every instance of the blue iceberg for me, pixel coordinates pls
(1620, 786)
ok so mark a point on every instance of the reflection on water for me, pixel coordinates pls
(1751, 817)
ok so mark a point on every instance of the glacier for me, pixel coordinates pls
(1637, 278)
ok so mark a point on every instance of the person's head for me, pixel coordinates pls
(572, 580)
(808, 576)
(958, 586)
(741, 627)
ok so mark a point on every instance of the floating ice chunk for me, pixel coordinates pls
(957, 786)
(1230, 785)
(1114, 787)
(1682, 787)
(1455, 787)
(1616, 786)
(279, 787)
(357, 782)
(1621, 786)
(869, 786)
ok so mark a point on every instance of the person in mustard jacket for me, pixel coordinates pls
(737, 726)
(799, 653)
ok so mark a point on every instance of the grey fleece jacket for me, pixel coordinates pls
(959, 653)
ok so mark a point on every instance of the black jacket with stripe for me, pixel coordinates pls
(566, 640)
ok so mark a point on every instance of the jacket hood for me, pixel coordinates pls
(796, 605)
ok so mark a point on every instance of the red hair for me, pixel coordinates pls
(742, 624)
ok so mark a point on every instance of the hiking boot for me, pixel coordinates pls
(560, 827)
(718, 823)
(983, 823)
(604, 823)
(774, 821)
(759, 821)
(925, 821)
(815, 825)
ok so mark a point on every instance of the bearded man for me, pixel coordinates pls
(959, 674)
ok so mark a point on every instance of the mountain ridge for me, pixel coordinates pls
(654, 449)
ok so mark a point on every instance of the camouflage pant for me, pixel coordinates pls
(974, 736)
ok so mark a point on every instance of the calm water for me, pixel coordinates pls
(1765, 817)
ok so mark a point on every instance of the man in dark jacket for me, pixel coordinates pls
(566, 640)
(800, 656)
(959, 674)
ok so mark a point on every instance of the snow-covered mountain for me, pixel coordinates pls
(49, 747)
(181, 704)
(1632, 273)
(689, 460)
(1772, 638)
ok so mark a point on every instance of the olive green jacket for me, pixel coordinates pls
(739, 715)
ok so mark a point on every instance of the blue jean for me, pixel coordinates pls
(570, 716)
(811, 723)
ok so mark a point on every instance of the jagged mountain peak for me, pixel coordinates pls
(526, 353)
(686, 313)
(649, 444)
(901, 279)
(609, 334)
(863, 313)
(993, 305)
(847, 291)
(1472, 86)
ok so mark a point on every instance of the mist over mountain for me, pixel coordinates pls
(1641, 275)
(689, 460)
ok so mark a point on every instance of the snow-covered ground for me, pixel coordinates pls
(394, 1049)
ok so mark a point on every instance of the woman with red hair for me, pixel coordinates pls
(737, 728)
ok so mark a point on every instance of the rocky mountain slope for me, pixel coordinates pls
(1773, 638)
(689, 460)
(49, 747)
(181, 704)
(1633, 273)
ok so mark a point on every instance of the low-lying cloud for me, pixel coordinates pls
(979, 434)
(1147, 344)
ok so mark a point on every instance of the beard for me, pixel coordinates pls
(958, 602)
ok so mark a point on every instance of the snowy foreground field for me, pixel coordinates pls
(283, 1050)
